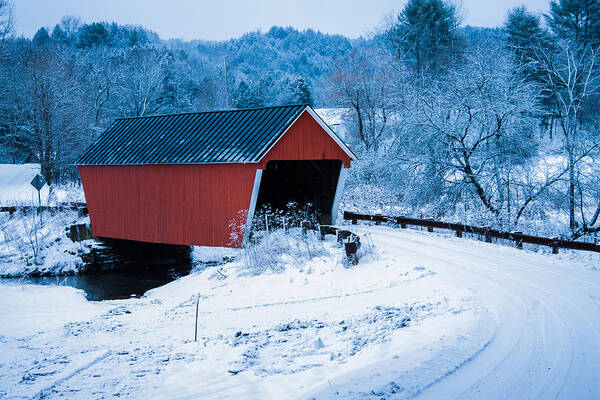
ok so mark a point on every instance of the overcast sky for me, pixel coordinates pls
(224, 19)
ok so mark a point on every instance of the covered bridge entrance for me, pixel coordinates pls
(302, 182)
(192, 178)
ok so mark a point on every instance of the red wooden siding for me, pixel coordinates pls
(190, 204)
(306, 140)
(176, 204)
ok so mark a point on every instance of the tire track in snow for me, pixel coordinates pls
(512, 343)
(516, 388)
(316, 299)
(534, 381)
(490, 274)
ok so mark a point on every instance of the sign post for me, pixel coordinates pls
(38, 183)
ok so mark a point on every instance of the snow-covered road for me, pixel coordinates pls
(427, 316)
(547, 341)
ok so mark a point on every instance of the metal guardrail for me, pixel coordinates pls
(518, 237)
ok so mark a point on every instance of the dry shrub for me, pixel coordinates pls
(277, 249)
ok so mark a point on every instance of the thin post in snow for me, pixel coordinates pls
(40, 208)
(304, 225)
(196, 324)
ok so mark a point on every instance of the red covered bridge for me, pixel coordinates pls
(184, 178)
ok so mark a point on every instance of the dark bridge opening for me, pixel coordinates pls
(303, 182)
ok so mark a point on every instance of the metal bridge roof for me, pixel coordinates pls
(232, 136)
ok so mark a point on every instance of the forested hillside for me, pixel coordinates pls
(494, 126)
(66, 85)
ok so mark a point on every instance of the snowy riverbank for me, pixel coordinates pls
(30, 246)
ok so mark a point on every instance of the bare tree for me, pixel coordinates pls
(102, 74)
(69, 25)
(475, 129)
(14, 106)
(572, 79)
(141, 79)
(54, 101)
(363, 82)
(7, 19)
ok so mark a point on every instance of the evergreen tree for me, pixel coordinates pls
(248, 96)
(576, 20)
(58, 35)
(524, 34)
(41, 37)
(426, 34)
(300, 92)
(94, 34)
(137, 37)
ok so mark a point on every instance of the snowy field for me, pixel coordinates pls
(426, 316)
(15, 186)
(16, 189)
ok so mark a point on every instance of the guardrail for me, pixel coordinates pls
(518, 237)
(57, 207)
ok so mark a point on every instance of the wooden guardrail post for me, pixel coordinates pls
(458, 234)
(80, 232)
(519, 241)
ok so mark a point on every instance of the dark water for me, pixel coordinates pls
(117, 284)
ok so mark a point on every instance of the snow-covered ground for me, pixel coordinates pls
(425, 315)
(30, 247)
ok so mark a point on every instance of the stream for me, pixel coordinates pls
(110, 285)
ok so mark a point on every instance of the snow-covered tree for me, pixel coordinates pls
(364, 83)
(7, 19)
(426, 35)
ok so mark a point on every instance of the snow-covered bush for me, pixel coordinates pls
(277, 249)
(279, 238)
(24, 234)
(30, 245)
(66, 192)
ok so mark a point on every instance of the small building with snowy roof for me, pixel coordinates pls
(191, 178)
